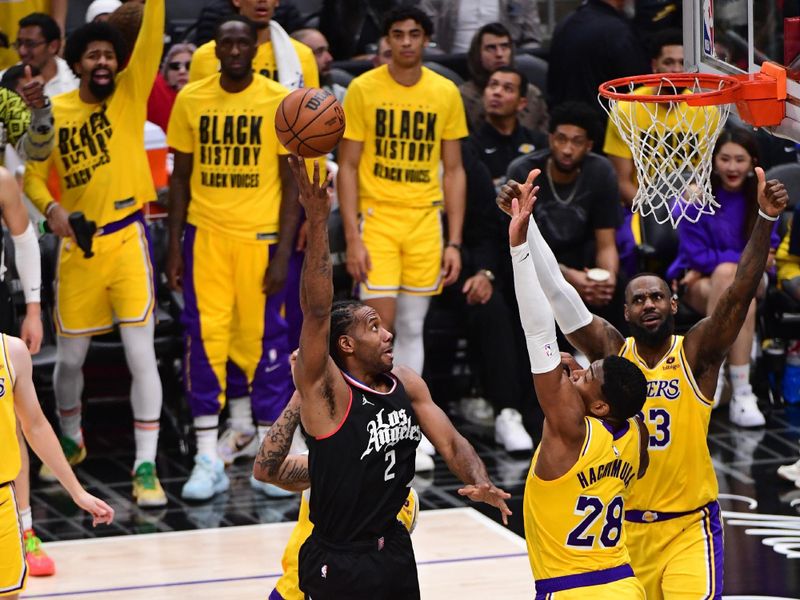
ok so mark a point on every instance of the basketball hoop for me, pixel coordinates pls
(671, 122)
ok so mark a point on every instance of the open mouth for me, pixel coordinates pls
(651, 320)
(102, 77)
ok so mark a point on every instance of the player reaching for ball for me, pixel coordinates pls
(232, 197)
(309, 122)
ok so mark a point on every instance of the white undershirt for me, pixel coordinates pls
(472, 15)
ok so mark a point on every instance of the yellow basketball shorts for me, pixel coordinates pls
(227, 315)
(616, 583)
(405, 248)
(13, 570)
(114, 285)
(678, 558)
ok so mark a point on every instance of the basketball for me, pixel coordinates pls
(309, 122)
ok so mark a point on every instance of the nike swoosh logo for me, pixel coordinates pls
(490, 150)
(524, 257)
(270, 369)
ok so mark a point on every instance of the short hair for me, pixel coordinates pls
(239, 19)
(578, 114)
(647, 274)
(80, 39)
(343, 316)
(404, 13)
(523, 80)
(624, 387)
(13, 74)
(665, 37)
(50, 29)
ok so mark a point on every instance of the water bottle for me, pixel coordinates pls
(791, 376)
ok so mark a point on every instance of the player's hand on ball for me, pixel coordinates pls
(315, 198)
(101, 512)
(490, 494)
(772, 195)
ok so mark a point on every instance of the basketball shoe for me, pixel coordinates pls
(233, 444)
(510, 433)
(75, 453)
(790, 472)
(207, 479)
(410, 511)
(39, 563)
(147, 488)
(268, 489)
(744, 411)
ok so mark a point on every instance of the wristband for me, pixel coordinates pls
(48, 209)
(764, 215)
(454, 245)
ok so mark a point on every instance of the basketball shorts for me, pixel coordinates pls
(607, 584)
(380, 569)
(13, 570)
(114, 285)
(678, 558)
(405, 249)
(227, 316)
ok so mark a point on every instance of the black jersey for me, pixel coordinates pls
(360, 474)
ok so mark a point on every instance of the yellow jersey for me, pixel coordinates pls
(573, 524)
(680, 476)
(99, 153)
(235, 183)
(402, 129)
(205, 62)
(10, 462)
(788, 264)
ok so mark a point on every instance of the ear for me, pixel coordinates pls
(523, 102)
(346, 344)
(626, 312)
(599, 408)
(673, 304)
(54, 47)
(589, 146)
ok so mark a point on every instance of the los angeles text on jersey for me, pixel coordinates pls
(84, 147)
(230, 147)
(386, 431)
(404, 135)
(618, 468)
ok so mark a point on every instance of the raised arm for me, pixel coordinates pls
(708, 342)
(145, 57)
(274, 464)
(325, 394)
(457, 452)
(28, 119)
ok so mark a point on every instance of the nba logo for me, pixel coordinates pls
(548, 351)
(324, 571)
(380, 544)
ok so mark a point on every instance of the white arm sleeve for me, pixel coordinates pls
(571, 313)
(534, 313)
(29, 264)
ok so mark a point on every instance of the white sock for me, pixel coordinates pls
(409, 320)
(206, 429)
(720, 385)
(26, 517)
(241, 414)
(68, 384)
(145, 434)
(740, 379)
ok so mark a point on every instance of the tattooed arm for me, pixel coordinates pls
(273, 463)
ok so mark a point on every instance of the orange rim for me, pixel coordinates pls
(726, 94)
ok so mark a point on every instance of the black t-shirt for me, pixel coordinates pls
(567, 225)
(360, 474)
(497, 150)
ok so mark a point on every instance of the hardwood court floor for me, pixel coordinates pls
(461, 554)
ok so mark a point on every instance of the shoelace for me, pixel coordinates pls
(146, 476)
(33, 545)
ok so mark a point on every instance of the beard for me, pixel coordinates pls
(655, 338)
(101, 91)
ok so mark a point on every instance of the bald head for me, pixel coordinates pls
(646, 281)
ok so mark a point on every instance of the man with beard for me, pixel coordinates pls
(578, 207)
(232, 202)
(103, 172)
(673, 526)
(314, 39)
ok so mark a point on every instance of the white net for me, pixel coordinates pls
(671, 144)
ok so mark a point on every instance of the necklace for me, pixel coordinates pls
(574, 191)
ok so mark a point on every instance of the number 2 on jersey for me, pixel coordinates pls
(389, 458)
(592, 507)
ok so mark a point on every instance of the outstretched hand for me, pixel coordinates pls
(490, 494)
(772, 195)
(521, 210)
(32, 89)
(315, 198)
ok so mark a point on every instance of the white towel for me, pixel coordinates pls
(290, 73)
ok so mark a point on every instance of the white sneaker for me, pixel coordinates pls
(423, 462)
(790, 472)
(744, 411)
(233, 444)
(426, 447)
(268, 489)
(510, 433)
(208, 478)
(477, 410)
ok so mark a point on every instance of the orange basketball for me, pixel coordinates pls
(309, 122)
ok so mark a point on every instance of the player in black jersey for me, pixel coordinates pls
(363, 420)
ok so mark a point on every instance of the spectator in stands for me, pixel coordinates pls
(322, 53)
(478, 298)
(577, 208)
(286, 13)
(12, 12)
(100, 10)
(174, 74)
(384, 54)
(502, 138)
(38, 44)
(492, 48)
(456, 21)
(788, 258)
(710, 250)
(351, 26)
(593, 44)
(652, 16)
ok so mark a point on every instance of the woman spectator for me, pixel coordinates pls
(174, 74)
(709, 251)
